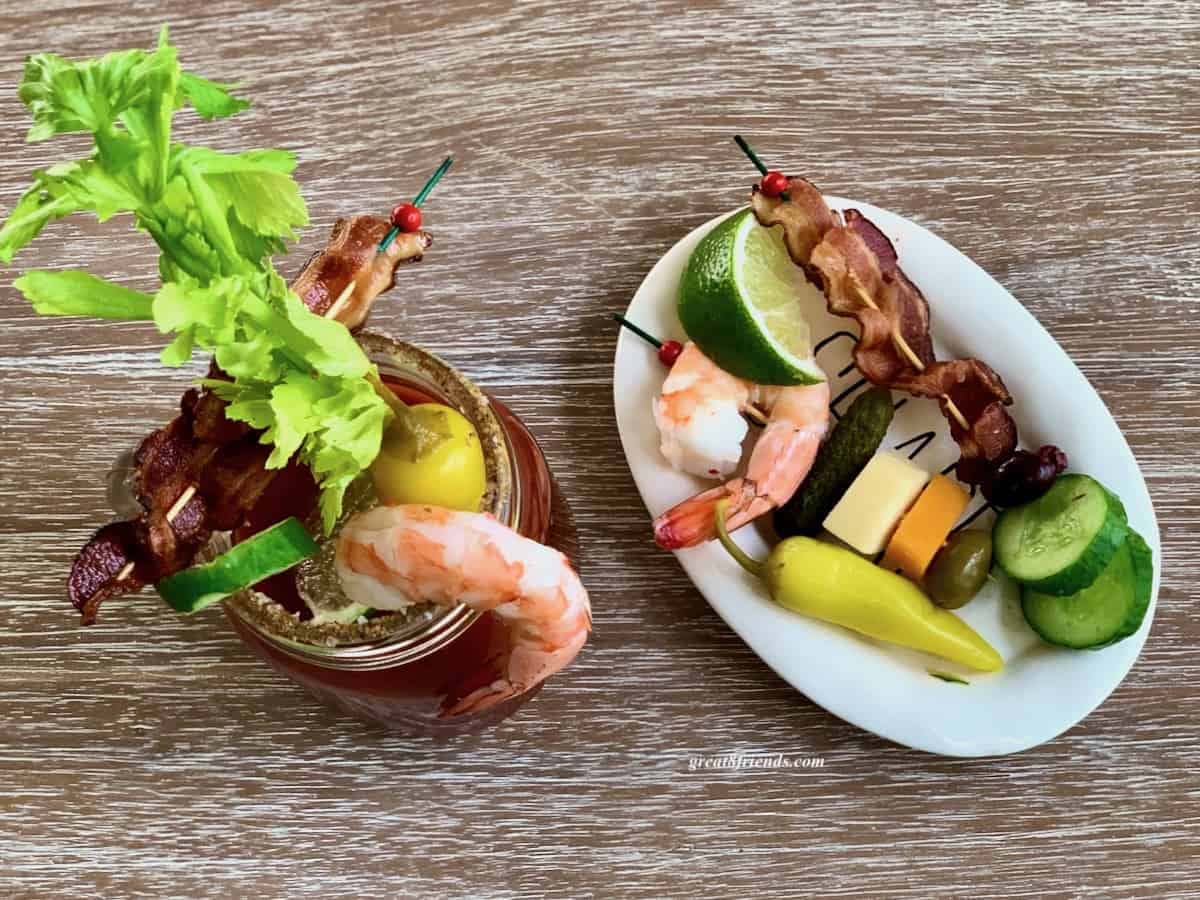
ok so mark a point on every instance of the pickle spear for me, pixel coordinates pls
(850, 447)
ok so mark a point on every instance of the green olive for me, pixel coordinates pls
(960, 569)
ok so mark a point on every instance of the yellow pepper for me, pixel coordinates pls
(836, 585)
(451, 473)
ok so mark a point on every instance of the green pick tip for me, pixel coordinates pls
(749, 151)
(645, 336)
(433, 180)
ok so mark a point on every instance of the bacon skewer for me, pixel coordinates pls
(857, 268)
(190, 490)
(175, 510)
(367, 275)
(340, 282)
(809, 221)
(902, 345)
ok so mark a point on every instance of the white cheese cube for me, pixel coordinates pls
(871, 509)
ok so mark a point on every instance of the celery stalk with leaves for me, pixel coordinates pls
(216, 218)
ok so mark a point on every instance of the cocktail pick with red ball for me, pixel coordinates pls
(668, 351)
(407, 216)
(773, 184)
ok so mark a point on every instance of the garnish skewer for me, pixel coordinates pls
(402, 219)
(407, 216)
(176, 508)
(902, 346)
(772, 184)
(668, 352)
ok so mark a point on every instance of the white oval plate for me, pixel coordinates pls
(888, 690)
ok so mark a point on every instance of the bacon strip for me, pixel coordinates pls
(854, 260)
(857, 267)
(979, 394)
(223, 458)
(95, 574)
(805, 218)
(351, 257)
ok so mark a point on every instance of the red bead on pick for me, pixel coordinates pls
(773, 184)
(669, 352)
(406, 217)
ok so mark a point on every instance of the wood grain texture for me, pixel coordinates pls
(1056, 143)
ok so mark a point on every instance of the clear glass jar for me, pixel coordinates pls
(402, 669)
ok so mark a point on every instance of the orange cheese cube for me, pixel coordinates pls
(925, 527)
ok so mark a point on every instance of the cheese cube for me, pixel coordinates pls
(925, 527)
(871, 508)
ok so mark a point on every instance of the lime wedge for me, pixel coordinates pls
(739, 301)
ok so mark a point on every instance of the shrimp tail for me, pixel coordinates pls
(693, 521)
(526, 666)
(781, 459)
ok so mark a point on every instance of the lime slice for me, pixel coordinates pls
(271, 551)
(739, 301)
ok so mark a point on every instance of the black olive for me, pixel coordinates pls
(1024, 476)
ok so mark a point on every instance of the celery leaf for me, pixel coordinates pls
(76, 293)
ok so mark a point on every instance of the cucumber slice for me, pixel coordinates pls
(1109, 610)
(271, 551)
(1143, 583)
(1061, 542)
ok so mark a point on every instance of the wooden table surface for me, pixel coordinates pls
(1057, 144)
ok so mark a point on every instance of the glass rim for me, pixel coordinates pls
(400, 636)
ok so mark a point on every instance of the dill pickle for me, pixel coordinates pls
(853, 442)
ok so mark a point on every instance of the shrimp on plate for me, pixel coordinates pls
(699, 417)
(393, 556)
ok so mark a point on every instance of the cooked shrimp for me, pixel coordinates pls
(696, 417)
(393, 556)
(699, 416)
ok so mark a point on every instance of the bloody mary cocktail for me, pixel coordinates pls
(402, 669)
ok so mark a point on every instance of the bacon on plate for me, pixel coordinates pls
(857, 267)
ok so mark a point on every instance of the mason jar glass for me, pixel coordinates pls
(403, 670)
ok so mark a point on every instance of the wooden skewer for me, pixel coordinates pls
(954, 411)
(755, 415)
(187, 495)
(902, 346)
(332, 312)
(897, 337)
(176, 508)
